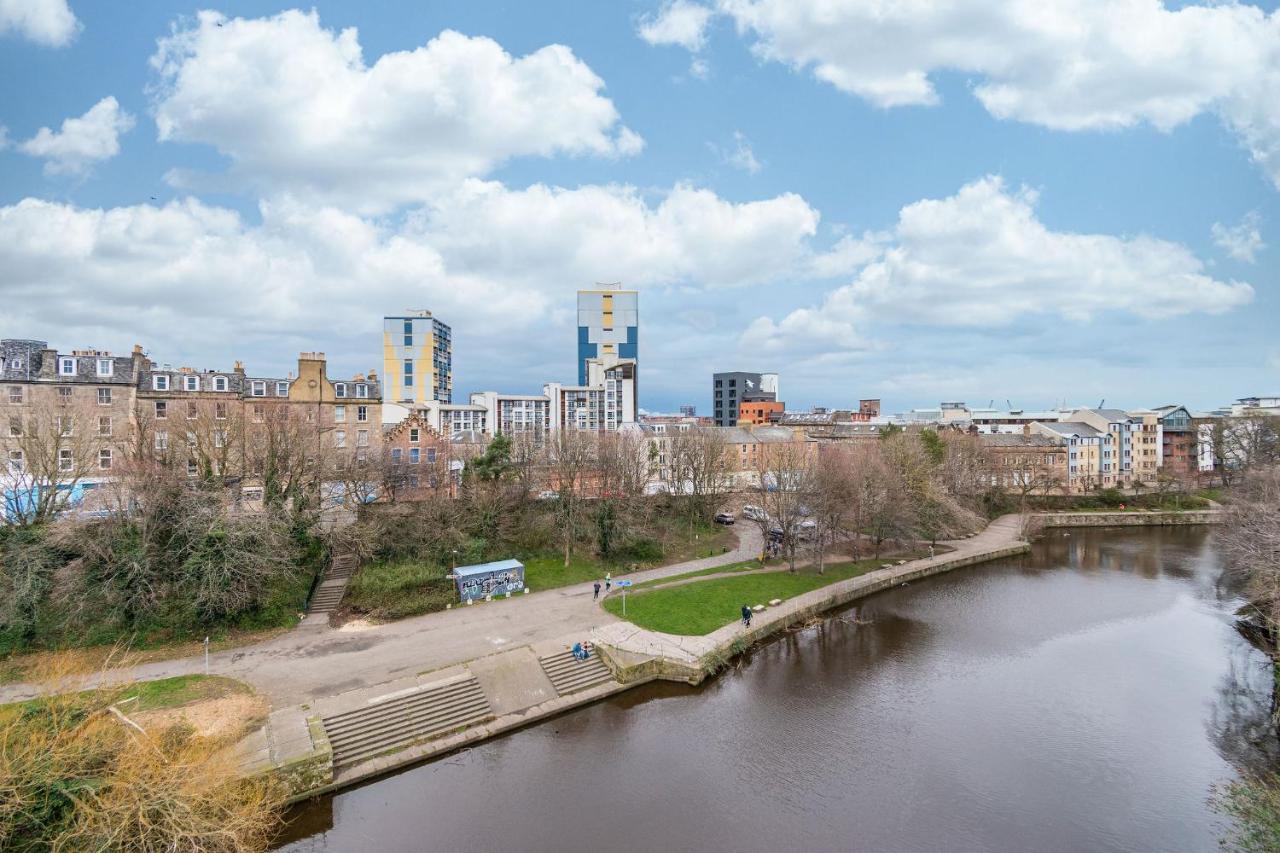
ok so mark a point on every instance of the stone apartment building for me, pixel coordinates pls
(1031, 464)
(1108, 448)
(86, 412)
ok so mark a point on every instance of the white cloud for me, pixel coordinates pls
(498, 264)
(981, 258)
(740, 156)
(47, 22)
(83, 141)
(700, 68)
(678, 22)
(296, 108)
(1242, 241)
(1070, 65)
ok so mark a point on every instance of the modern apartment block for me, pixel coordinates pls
(1108, 447)
(730, 389)
(417, 359)
(608, 326)
(604, 403)
(513, 414)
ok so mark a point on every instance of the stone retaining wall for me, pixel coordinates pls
(1129, 519)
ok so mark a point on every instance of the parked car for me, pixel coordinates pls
(807, 529)
(754, 513)
(724, 518)
(775, 534)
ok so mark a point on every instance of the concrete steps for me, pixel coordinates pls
(397, 723)
(569, 675)
(328, 594)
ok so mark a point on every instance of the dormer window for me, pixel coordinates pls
(106, 367)
(282, 389)
(160, 382)
(66, 367)
(219, 383)
(15, 364)
(191, 383)
(339, 389)
(362, 390)
(258, 388)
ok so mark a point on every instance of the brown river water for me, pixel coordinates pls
(1085, 697)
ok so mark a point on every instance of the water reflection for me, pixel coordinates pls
(1084, 697)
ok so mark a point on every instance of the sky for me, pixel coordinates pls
(996, 200)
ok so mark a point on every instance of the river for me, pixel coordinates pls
(1085, 697)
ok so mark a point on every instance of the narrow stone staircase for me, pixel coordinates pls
(328, 594)
(569, 675)
(400, 722)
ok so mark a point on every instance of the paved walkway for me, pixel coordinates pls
(315, 661)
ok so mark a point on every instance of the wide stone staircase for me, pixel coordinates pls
(328, 594)
(569, 675)
(400, 722)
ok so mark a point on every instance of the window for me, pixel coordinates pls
(106, 367)
(104, 427)
(66, 367)
(408, 333)
(15, 364)
(339, 389)
(282, 389)
(339, 414)
(162, 440)
(162, 410)
(15, 461)
(362, 413)
(396, 454)
(413, 435)
(191, 383)
(64, 393)
(219, 383)
(160, 382)
(339, 438)
(15, 427)
(259, 413)
(408, 373)
(258, 388)
(104, 458)
(362, 438)
(193, 411)
(414, 455)
(191, 441)
(219, 438)
(431, 454)
(362, 390)
(66, 424)
(66, 462)
(192, 468)
(104, 396)
(220, 411)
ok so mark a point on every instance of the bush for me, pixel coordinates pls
(640, 549)
(398, 589)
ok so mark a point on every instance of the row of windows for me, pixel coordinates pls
(68, 366)
(415, 455)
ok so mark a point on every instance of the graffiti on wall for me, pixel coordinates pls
(493, 583)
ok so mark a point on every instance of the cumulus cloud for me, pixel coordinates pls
(1242, 241)
(678, 22)
(1072, 65)
(192, 278)
(81, 142)
(47, 22)
(297, 109)
(981, 258)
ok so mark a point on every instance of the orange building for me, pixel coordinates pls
(759, 412)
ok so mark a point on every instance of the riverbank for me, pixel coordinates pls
(430, 713)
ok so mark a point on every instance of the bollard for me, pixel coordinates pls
(470, 601)
(508, 593)
(526, 590)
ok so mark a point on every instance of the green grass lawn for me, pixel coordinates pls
(703, 606)
(158, 694)
(745, 566)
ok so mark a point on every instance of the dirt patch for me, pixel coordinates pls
(358, 625)
(228, 716)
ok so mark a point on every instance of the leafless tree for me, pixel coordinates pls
(833, 499)
(53, 447)
(1251, 540)
(783, 482)
(698, 466)
(570, 462)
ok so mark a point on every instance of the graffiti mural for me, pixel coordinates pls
(490, 579)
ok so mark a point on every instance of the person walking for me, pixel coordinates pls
(746, 616)
(608, 581)
(596, 596)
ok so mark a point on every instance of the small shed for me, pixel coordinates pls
(496, 578)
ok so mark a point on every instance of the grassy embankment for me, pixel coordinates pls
(701, 607)
(403, 588)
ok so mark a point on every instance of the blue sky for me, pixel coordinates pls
(923, 208)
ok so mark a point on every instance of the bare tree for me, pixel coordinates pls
(698, 466)
(570, 460)
(1251, 540)
(53, 447)
(784, 482)
(833, 499)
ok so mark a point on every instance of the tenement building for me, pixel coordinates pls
(72, 420)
